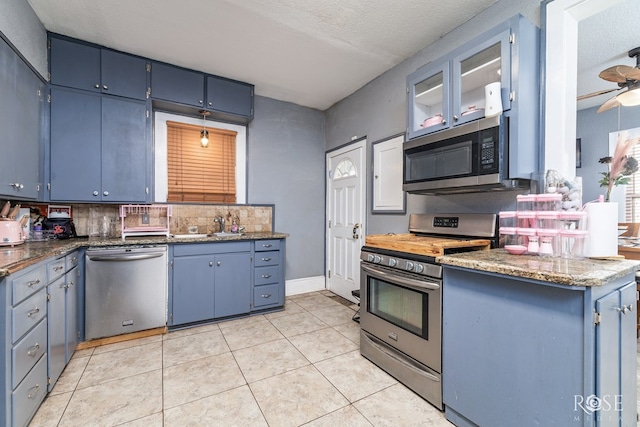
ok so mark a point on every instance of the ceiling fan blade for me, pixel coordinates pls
(598, 93)
(609, 104)
(620, 73)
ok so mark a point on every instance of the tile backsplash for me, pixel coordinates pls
(88, 219)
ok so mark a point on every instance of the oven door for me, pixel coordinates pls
(403, 310)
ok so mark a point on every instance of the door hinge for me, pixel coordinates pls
(597, 318)
(171, 264)
(48, 77)
(49, 98)
(512, 96)
(171, 317)
(407, 89)
(148, 92)
(330, 173)
(146, 190)
(147, 114)
(48, 186)
(148, 67)
(48, 380)
(48, 297)
(329, 271)
(329, 223)
(512, 38)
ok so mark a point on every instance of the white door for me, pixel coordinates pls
(346, 210)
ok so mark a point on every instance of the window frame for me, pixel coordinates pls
(160, 153)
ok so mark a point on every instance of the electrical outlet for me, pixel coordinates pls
(145, 218)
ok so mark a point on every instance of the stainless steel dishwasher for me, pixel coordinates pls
(126, 290)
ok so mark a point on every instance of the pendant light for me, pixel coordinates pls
(204, 133)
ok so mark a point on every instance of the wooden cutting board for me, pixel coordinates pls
(421, 245)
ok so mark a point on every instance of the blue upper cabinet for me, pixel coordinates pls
(227, 99)
(228, 96)
(450, 91)
(22, 108)
(82, 66)
(174, 84)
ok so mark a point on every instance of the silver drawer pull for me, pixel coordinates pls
(33, 350)
(58, 268)
(266, 259)
(265, 276)
(33, 282)
(266, 245)
(35, 392)
(34, 311)
(266, 295)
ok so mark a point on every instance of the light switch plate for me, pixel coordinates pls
(145, 218)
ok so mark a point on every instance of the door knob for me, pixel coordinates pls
(355, 230)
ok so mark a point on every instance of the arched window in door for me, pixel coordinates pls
(345, 169)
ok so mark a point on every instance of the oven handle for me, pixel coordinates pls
(401, 361)
(411, 283)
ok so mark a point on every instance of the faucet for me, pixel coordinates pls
(221, 221)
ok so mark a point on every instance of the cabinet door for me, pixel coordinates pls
(75, 146)
(192, 291)
(232, 284)
(616, 353)
(124, 150)
(489, 61)
(124, 75)
(71, 312)
(175, 84)
(229, 96)
(74, 65)
(429, 94)
(56, 330)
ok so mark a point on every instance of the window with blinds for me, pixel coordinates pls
(632, 192)
(196, 173)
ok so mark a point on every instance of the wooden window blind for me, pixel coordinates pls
(200, 174)
(632, 192)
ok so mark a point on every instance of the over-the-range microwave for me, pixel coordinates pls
(472, 157)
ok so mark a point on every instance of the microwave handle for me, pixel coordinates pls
(419, 285)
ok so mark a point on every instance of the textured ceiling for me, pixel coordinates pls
(309, 52)
(604, 41)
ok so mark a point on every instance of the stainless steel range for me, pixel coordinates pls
(401, 295)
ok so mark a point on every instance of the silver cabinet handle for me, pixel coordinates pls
(105, 193)
(95, 193)
(210, 104)
(17, 185)
(35, 389)
(266, 259)
(33, 283)
(211, 264)
(218, 263)
(266, 295)
(265, 276)
(105, 87)
(34, 311)
(266, 245)
(58, 268)
(33, 350)
(200, 101)
(97, 86)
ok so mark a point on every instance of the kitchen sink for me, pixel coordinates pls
(225, 234)
(190, 236)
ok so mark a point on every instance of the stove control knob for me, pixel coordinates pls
(370, 257)
(419, 268)
(377, 259)
(392, 262)
(409, 266)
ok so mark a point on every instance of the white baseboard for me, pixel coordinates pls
(304, 285)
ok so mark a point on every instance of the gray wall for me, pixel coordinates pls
(593, 130)
(286, 168)
(378, 110)
(19, 23)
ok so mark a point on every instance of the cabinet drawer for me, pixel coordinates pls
(27, 351)
(210, 248)
(28, 283)
(267, 258)
(28, 314)
(265, 275)
(55, 269)
(29, 394)
(265, 295)
(71, 260)
(267, 245)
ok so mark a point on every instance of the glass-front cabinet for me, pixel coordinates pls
(451, 90)
(430, 94)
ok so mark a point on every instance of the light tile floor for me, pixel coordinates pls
(300, 366)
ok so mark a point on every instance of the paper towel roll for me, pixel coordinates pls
(602, 225)
(492, 100)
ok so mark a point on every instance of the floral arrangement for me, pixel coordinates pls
(621, 166)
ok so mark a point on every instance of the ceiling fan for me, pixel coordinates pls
(627, 78)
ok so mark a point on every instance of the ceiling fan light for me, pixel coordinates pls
(630, 97)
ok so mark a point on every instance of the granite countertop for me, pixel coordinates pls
(15, 258)
(571, 272)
